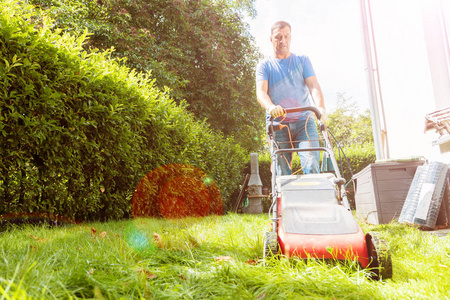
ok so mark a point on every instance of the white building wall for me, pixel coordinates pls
(414, 73)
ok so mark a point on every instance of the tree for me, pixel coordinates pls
(353, 133)
(348, 125)
(201, 50)
(78, 130)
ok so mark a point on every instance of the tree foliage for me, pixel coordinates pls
(78, 131)
(354, 139)
(353, 133)
(201, 50)
(348, 125)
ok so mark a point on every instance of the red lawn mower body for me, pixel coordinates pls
(312, 224)
(311, 216)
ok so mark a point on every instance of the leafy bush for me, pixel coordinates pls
(202, 50)
(358, 156)
(78, 130)
(352, 160)
(348, 125)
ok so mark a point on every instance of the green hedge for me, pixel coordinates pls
(78, 131)
(358, 156)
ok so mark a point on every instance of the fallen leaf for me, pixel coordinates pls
(91, 271)
(158, 240)
(182, 277)
(251, 262)
(261, 296)
(93, 231)
(224, 258)
(149, 275)
(102, 235)
(38, 238)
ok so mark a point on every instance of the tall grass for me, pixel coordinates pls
(208, 258)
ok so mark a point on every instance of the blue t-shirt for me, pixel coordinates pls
(286, 79)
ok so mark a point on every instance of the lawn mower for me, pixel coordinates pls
(311, 215)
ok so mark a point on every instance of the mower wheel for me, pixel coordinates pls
(380, 257)
(270, 244)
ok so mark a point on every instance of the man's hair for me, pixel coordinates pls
(279, 25)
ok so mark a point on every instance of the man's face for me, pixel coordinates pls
(281, 41)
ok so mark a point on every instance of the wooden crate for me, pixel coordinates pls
(381, 190)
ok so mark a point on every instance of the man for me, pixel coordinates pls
(288, 80)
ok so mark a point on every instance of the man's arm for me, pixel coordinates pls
(262, 87)
(316, 92)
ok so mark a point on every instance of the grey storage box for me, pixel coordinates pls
(381, 190)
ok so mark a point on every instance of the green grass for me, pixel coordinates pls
(69, 262)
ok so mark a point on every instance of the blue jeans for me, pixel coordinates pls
(302, 139)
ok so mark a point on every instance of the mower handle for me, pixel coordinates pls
(314, 109)
(300, 109)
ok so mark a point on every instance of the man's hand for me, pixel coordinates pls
(323, 114)
(275, 111)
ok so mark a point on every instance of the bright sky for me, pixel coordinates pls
(329, 32)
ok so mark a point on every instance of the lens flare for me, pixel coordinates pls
(138, 241)
(207, 180)
(176, 191)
